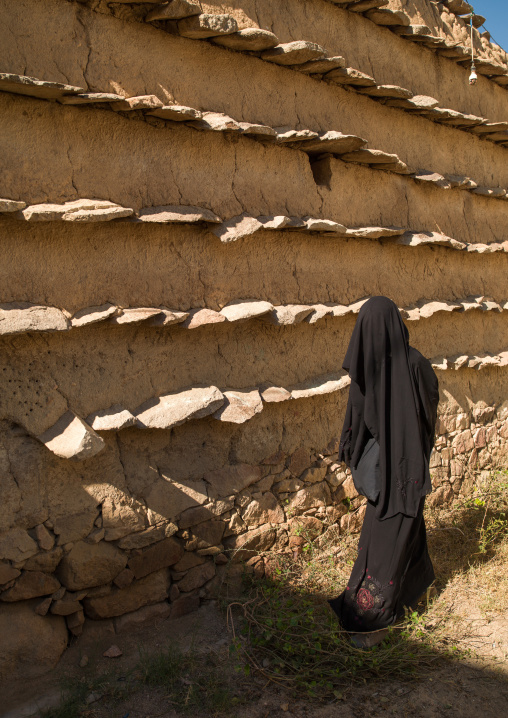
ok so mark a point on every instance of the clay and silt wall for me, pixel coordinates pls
(171, 386)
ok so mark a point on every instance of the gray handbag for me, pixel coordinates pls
(366, 476)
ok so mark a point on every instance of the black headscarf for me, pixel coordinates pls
(393, 397)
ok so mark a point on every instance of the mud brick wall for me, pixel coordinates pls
(196, 199)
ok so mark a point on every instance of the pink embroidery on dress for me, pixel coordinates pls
(365, 599)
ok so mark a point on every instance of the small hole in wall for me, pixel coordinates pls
(321, 170)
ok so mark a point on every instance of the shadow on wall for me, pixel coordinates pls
(150, 517)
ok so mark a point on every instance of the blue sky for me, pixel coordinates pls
(496, 12)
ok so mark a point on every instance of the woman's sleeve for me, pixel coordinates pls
(428, 392)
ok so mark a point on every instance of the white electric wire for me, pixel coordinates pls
(472, 48)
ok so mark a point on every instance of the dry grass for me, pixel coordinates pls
(286, 632)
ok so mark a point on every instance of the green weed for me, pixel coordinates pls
(294, 639)
(162, 669)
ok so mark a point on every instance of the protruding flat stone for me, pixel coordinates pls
(503, 358)
(454, 118)
(206, 25)
(460, 182)
(414, 239)
(396, 18)
(439, 362)
(479, 248)
(431, 41)
(173, 409)
(31, 86)
(175, 10)
(263, 131)
(489, 67)
(217, 122)
(92, 315)
(321, 385)
(22, 317)
(465, 121)
(417, 103)
(431, 177)
(133, 315)
(498, 137)
(294, 53)
(413, 31)
(375, 232)
(429, 308)
(251, 39)
(459, 7)
(277, 222)
(366, 5)
(412, 314)
(167, 317)
(286, 134)
(245, 309)
(11, 205)
(80, 210)
(331, 141)
(369, 157)
(88, 98)
(112, 419)
(274, 394)
(321, 66)
(488, 304)
(497, 360)
(297, 223)
(237, 227)
(350, 76)
(240, 406)
(472, 303)
(356, 306)
(398, 167)
(200, 317)
(319, 311)
(72, 438)
(489, 127)
(289, 314)
(324, 225)
(498, 192)
(454, 51)
(177, 113)
(142, 102)
(341, 310)
(179, 214)
(391, 91)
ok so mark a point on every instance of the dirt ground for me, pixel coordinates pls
(452, 688)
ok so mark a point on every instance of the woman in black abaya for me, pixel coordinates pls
(386, 440)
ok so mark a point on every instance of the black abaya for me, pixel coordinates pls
(392, 570)
(393, 398)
